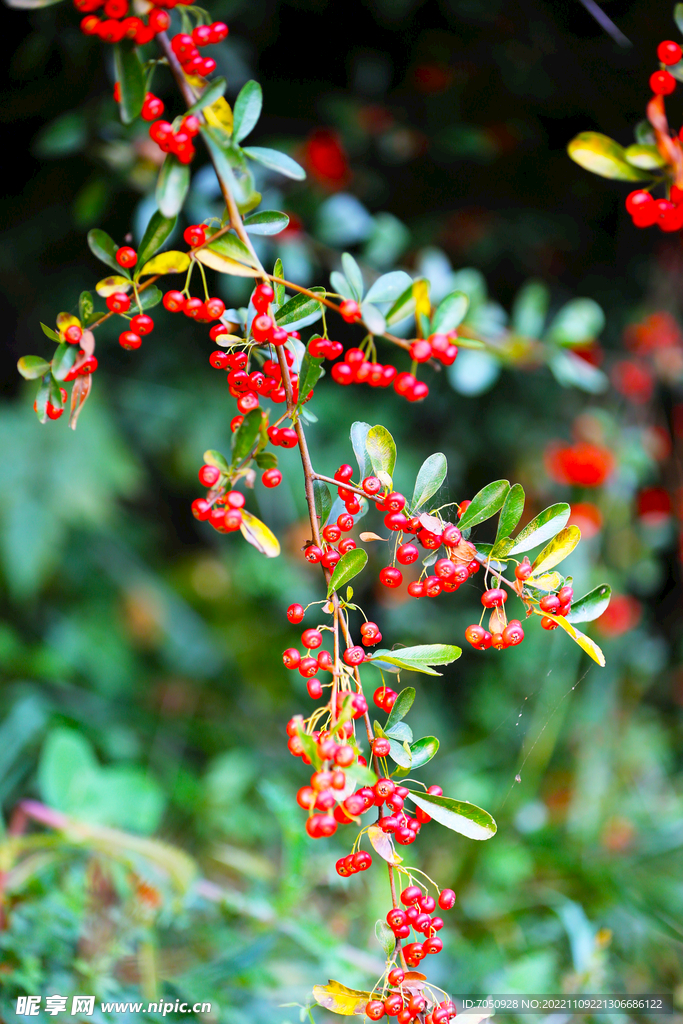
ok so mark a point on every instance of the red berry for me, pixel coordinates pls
(446, 899)
(416, 589)
(313, 553)
(548, 623)
(130, 340)
(669, 52)
(271, 478)
(374, 1009)
(391, 577)
(371, 485)
(479, 637)
(215, 308)
(523, 570)
(195, 235)
(174, 301)
(209, 475)
(513, 634)
(420, 351)
(291, 658)
(494, 598)
(219, 31)
(662, 83)
(233, 519)
(118, 302)
(411, 895)
(380, 747)
(315, 689)
(142, 324)
(158, 21)
(396, 976)
(152, 108)
(350, 311)
(295, 613)
(354, 655)
(311, 638)
(406, 554)
(235, 499)
(126, 257)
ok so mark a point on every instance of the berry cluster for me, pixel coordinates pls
(185, 48)
(221, 508)
(407, 1004)
(118, 24)
(203, 311)
(176, 140)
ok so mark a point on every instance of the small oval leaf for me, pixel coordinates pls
(429, 479)
(348, 566)
(383, 844)
(458, 815)
(546, 524)
(172, 186)
(591, 605)
(108, 285)
(381, 449)
(276, 161)
(171, 262)
(485, 504)
(258, 535)
(557, 550)
(339, 999)
(601, 155)
(32, 367)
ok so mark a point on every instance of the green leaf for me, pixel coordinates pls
(86, 306)
(402, 706)
(341, 286)
(530, 309)
(678, 17)
(30, 5)
(310, 747)
(361, 774)
(573, 372)
(381, 448)
(323, 501)
(646, 156)
(485, 504)
(543, 526)
(244, 438)
(278, 271)
(458, 815)
(105, 248)
(556, 550)
(511, 512)
(348, 566)
(247, 110)
(234, 248)
(214, 458)
(276, 161)
(232, 167)
(43, 397)
(385, 937)
(389, 287)
(399, 751)
(429, 479)
(52, 335)
(212, 93)
(353, 275)
(578, 322)
(32, 367)
(403, 307)
(311, 368)
(131, 78)
(266, 222)
(450, 312)
(417, 659)
(156, 233)
(401, 732)
(299, 311)
(591, 605)
(64, 358)
(423, 750)
(372, 318)
(172, 186)
(266, 460)
(601, 155)
(359, 435)
(151, 297)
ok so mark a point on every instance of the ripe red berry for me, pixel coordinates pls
(362, 860)
(513, 634)
(446, 899)
(393, 1004)
(548, 623)
(479, 637)
(354, 655)
(669, 52)
(396, 976)
(371, 485)
(662, 83)
(118, 302)
(350, 311)
(295, 613)
(174, 301)
(291, 658)
(233, 519)
(380, 747)
(126, 257)
(215, 308)
(311, 638)
(142, 324)
(315, 688)
(494, 598)
(411, 895)
(420, 351)
(391, 577)
(523, 570)
(209, 475)
(129, 340)
(152, 108)
(313, 553)
(195, 235)
(271, 478)
(550, 603)
(374, 1009)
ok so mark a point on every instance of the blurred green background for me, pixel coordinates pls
(140, 651)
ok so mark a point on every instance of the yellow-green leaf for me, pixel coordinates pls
(108, 285)
(548, 581)
(584, 642)
(559, 547)
(258, 534)
(219, 114)
(171, 262)
(224, 265)
(647, 158)
(339, 999)
(601, 155)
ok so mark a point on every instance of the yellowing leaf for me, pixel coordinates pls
(226, 340)
(382, 843)
(108, 285)
(549, 581)
(171, 262)
(219, 114)
(601, 155)
(584, 642)
(559, 547)
(64, 321)
(370, 536)
(339, 999)
(647, 158)
(224, 264)
(258, 534)
(421, 296)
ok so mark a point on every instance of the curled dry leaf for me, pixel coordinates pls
(339, 999)
(382, 843)
(371, 536)
(79, 395)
